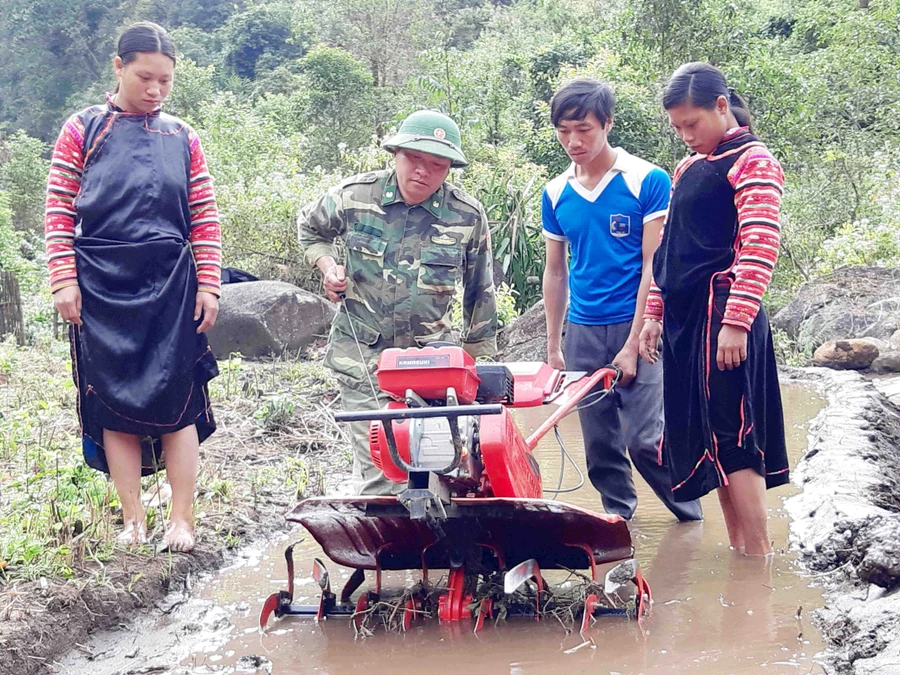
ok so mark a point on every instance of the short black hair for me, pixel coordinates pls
(581, 96)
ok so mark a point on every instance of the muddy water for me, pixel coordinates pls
(714, 612)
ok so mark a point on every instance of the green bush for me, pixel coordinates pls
(16, 254)
(261, 184)
(510, 191)
(23, 177)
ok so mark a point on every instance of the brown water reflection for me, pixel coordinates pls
(714, 611)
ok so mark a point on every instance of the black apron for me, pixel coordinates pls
(139, 365)
(716, 422)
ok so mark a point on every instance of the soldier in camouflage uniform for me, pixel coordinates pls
(410, 238)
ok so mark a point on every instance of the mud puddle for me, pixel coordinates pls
(714, 612)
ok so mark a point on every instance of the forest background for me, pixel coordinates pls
(291, 95)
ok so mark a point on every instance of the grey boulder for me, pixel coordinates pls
(268, 318)
(526, 337)
(851, 302)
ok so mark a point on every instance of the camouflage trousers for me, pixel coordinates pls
(353, 361)
(368, 479)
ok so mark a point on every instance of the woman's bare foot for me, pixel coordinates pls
(133, 534)
(179, 537)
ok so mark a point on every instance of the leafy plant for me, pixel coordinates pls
(511, 195)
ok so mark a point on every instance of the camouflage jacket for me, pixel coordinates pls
(404, 262)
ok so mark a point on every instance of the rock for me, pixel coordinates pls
(268, 318)
(526, 337)
(887, 362)
(894, 341)
(879, 543)
(851, 302)
(883, 345)
(889, 387)
(845, 354)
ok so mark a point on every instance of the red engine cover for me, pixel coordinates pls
(378, 447)
(510, 466)
(428, 372)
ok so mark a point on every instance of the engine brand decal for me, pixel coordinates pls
(437, 361)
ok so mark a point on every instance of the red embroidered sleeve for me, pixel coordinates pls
(654, 307)
(63, 184)
(206, 236)
(758, 184)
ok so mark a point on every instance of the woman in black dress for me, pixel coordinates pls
(724, 426)
(133, 245)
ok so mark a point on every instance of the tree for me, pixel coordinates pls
(379, 32)
(260, 38)
(23, 177)
(338, 90)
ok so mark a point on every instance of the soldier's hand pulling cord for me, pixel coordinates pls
(335, 283)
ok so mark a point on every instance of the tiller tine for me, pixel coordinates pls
(272, 604)
(644, 595)
(485, 610)
(629, 572)
(590, 602)
(326, 598)
(354, 582)
(618, 577)
(320, 576)
(452, 605)
(359, 612)
(409, 612)
(520, 574)
(278, 601)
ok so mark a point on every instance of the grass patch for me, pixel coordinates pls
(274, 444)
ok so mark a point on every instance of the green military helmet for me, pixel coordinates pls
(431, 132)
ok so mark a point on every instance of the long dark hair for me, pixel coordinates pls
(700, 84)
(144, 37)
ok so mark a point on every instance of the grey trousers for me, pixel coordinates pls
(632, 418)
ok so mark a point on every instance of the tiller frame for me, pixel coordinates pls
(479, 515)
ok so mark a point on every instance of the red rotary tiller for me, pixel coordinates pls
(472, 503)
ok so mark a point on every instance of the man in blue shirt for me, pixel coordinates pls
(608, 209)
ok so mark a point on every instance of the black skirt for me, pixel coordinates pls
(719, 422)
(139, 364)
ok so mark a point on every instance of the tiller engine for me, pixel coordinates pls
(472, 504)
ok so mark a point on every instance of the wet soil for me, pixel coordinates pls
(847, 520)
(714, 611)
(40, 620)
